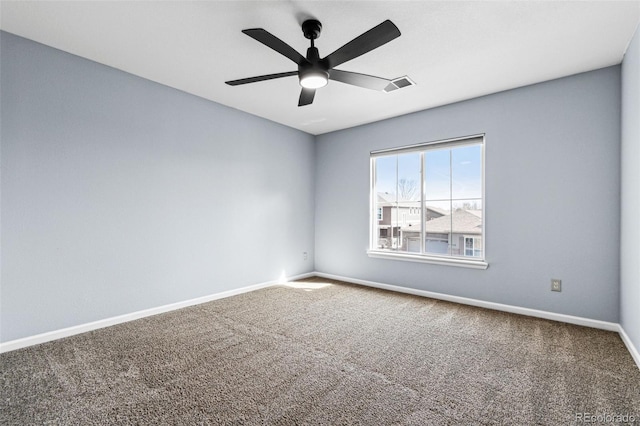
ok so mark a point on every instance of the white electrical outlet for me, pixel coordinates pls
(304, 255)
(556, 285)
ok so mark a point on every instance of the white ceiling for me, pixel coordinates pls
(452, 50)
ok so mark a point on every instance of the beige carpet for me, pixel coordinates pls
(324, 353)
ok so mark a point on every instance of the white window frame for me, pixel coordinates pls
(380, 213)
(460, 261)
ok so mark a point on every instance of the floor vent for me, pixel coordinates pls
(399, 83)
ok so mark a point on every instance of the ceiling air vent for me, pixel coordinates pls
(399, 83)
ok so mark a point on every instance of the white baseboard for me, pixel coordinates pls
(604, 325)
(630, 346)
(83, 328)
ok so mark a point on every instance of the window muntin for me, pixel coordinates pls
(434, 196)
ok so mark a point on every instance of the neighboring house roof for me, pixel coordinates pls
(463, 221)
(437, 210)
(476, 212)
(387, 199)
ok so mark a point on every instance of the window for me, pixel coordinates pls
(472, 246)
(433, 198)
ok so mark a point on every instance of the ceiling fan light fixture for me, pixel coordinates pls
(314, 79)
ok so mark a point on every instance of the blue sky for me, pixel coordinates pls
(449, 173)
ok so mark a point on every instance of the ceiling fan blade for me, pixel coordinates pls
(260, 78)
(269, 40)
(374, 38)
(360, 80)
(306, 96)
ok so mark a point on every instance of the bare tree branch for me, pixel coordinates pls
(407, 189)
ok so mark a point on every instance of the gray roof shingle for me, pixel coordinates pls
(463, 222)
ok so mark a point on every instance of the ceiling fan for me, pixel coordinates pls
(315, 72)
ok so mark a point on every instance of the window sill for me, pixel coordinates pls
(435, 260)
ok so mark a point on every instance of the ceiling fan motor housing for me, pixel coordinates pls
(311, 29)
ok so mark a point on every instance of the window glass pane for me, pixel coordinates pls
(385, 201)
(466, 224)
(437, 227)
(409, 177)
(477, 247)
(387, 230)
(409, 220)
(394, 229)
(408, 206)
(437, 175)
(386, 174)
(466, 172)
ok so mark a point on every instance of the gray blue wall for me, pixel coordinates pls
(119, 194)
(630, 229)
(552, 196)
